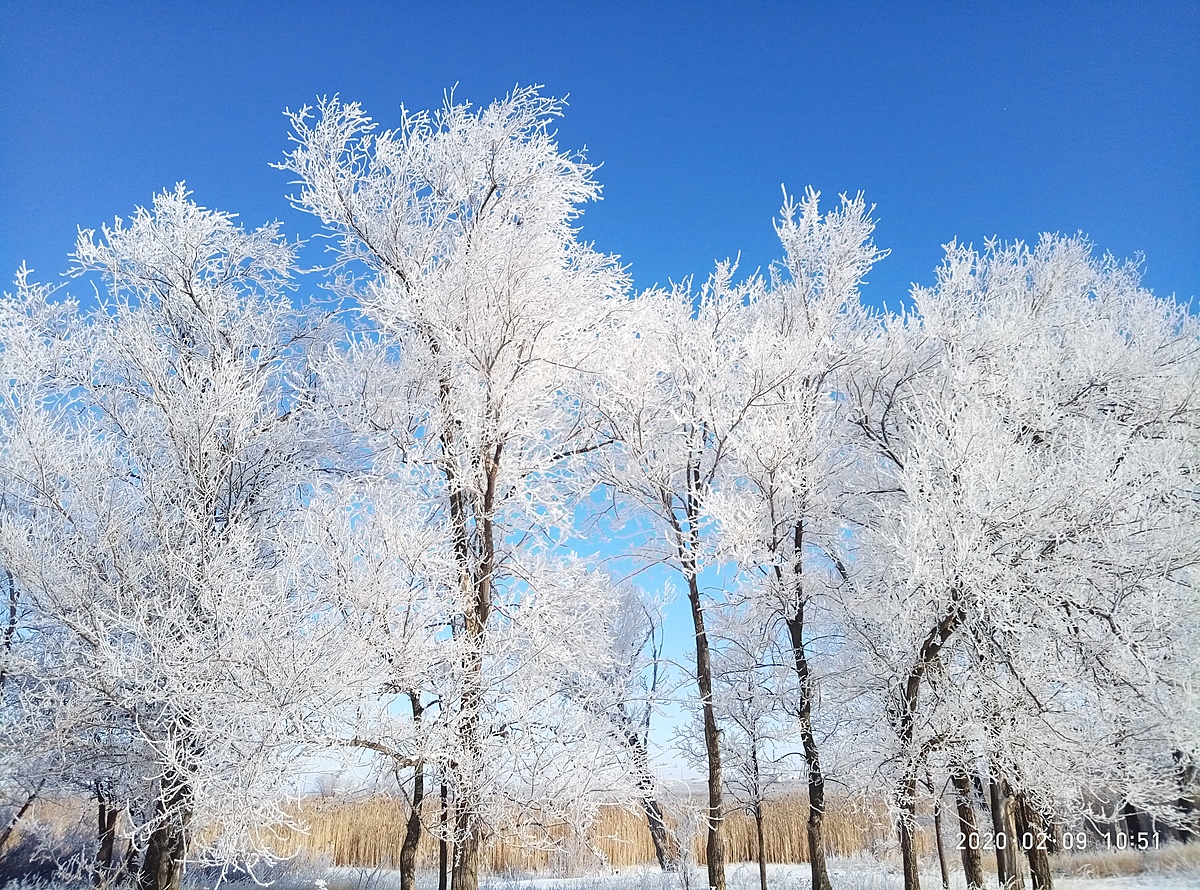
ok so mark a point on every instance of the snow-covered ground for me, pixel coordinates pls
(846, 874)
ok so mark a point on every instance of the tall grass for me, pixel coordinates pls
(368, 834)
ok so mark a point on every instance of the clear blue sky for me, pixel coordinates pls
(957, 119)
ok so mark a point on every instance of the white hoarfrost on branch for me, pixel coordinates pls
(454, 235)
(149, 476)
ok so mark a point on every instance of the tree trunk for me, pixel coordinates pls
(906, 826)
(412, 833)
(20, 814)
(106, 836)
(1006, 862)
(903, 713)
(1033, 831)
(972, 860)
(1134, 825)
(812, 756)
(666, 852)
(468, 843)
(443, 844)
(162, 864)
(475, 555)
(762, 847)
(941, 847)
(713, 849)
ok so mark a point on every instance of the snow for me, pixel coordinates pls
(846, 874)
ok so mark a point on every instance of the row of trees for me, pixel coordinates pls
(956, 544)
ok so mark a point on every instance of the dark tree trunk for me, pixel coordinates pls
(1135, 826)
(906, 826)
(941, 847)
(20, 814)
(971, 858)
(812, 755)
(1185, 777)
(412, 833)
(1032, 829)
(10, 629)
(162, 864)
(1002, 840)
(473, 539)
(106, 836)
(903, 715)
(467, 848)
(762, 847)
(664, 850)
(714, 852)
(443, 844)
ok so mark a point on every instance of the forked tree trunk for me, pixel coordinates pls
(972, 860)
(162, 864)
(904, 719)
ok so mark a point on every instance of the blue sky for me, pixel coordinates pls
(965, 120)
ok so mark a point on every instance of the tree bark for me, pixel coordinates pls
(1134, 825)
(412, 833)
(906, 826)
(713, 849)
(972, 860)
(106, 836)
(1006, 871)
(665, 851)
(468, 843)
(162, 865)
(443, 843)
(818, 868)
(1033, 831)
(762, 847)
(941, 846)
(20, 814)
(903, 717)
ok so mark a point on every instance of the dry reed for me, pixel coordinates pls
(368, 833)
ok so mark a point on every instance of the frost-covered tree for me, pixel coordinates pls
(752, 685)
(677, 390)
(149, 476)
(1041, 442)
(454, 236)
(781, 502)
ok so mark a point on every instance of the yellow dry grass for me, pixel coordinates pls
(1101, 863)
(368, 833)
